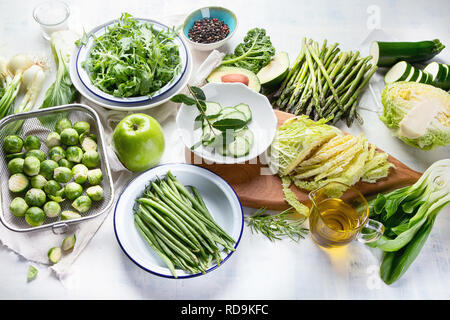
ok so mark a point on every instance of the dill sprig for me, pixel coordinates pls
(277, 226)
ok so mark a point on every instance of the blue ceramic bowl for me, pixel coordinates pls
(220, 13)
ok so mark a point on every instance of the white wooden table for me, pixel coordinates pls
(259, 269)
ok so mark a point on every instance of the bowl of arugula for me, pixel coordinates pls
(131, 60)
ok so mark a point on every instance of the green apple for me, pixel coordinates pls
(138, 141)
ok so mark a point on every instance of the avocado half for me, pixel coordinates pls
(226, 74)
(275, 71)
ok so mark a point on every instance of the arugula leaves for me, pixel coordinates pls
(132, 59)
(254, 53)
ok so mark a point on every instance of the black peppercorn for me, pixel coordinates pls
(208, 30)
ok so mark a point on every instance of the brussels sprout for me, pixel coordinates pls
(51, 187)
(82, 127)
(52, 209)
(31, 166)
(32, 143)
(80, 172)
(18, 207)
(94, 176)
(37, 153)
(95, 193)
(32, 273)
(69, 215)
(15, 155)
(87, 135)
(62, 124)
(53, 140)
(62, 174)
(74, 154)
(35, 197)
(68, 243)
(56, 153)
(35, 216)
(47, 168)
(82, 203)
(88, 144)
(69, 137)
(91, 159)
(73, 190)
(65, 163)
(59, 197)
(38, 181)
(15, 165)
(54, 254)
(12, 144)
(18, 182)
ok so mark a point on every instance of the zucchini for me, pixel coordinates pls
(239, 147)
(245, 109)
(399, 72)
(440, 76)
(386, 54)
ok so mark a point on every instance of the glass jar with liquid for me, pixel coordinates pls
(52, 16)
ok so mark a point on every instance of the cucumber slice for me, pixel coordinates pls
(239, 147)
(234, 115)
(212, 108)
(275, 71)
(245, 109)
(222, 150)
(399, 72)
(18, 182)
(246, 134)
(227, 110)
(209, 135)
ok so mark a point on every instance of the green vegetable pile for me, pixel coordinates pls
(133, 59)
(178, 226)
(41, 181)
(325, 83)
(408, 215)
(254, 53)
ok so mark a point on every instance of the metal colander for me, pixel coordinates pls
(34, 124)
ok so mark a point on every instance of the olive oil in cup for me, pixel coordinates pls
(335, 221)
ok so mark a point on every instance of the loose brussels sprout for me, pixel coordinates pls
(65, 163)
(52, 209)
(47, 168)
(73, 190)
(53, 140)
(82, 127)
(74, 154)
(80, 172)
(62, 174)
(15, 155)
(56, 153)
(51, 187)
(82, 204)
(94, 176)
(38, 181)
(91, 159)
(54, 254)
(32, 143)
(31, 166)
(35, 197)
(12, 144)
(59, 197)
(35, 216)
(37, 153)
(16, 165)
(69, 215)
(18, 207)
(95, 193)
(69, 137)
(89, 144)
(18, 182)
(32, 273)
(68, 243)
(62, 124)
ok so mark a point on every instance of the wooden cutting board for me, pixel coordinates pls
(258, 190)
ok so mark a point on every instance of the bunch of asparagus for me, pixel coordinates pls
(325, 82)
(177, 225)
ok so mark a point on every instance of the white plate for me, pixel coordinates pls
(219, 197)
(83, 52)
(263, 123)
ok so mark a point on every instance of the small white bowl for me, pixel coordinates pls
(219, 197)
(263, 123)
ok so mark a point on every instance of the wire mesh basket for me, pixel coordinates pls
(40, 123)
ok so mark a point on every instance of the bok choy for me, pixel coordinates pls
(408, 215)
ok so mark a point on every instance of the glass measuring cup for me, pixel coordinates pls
(52, 16)
(340, 214)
